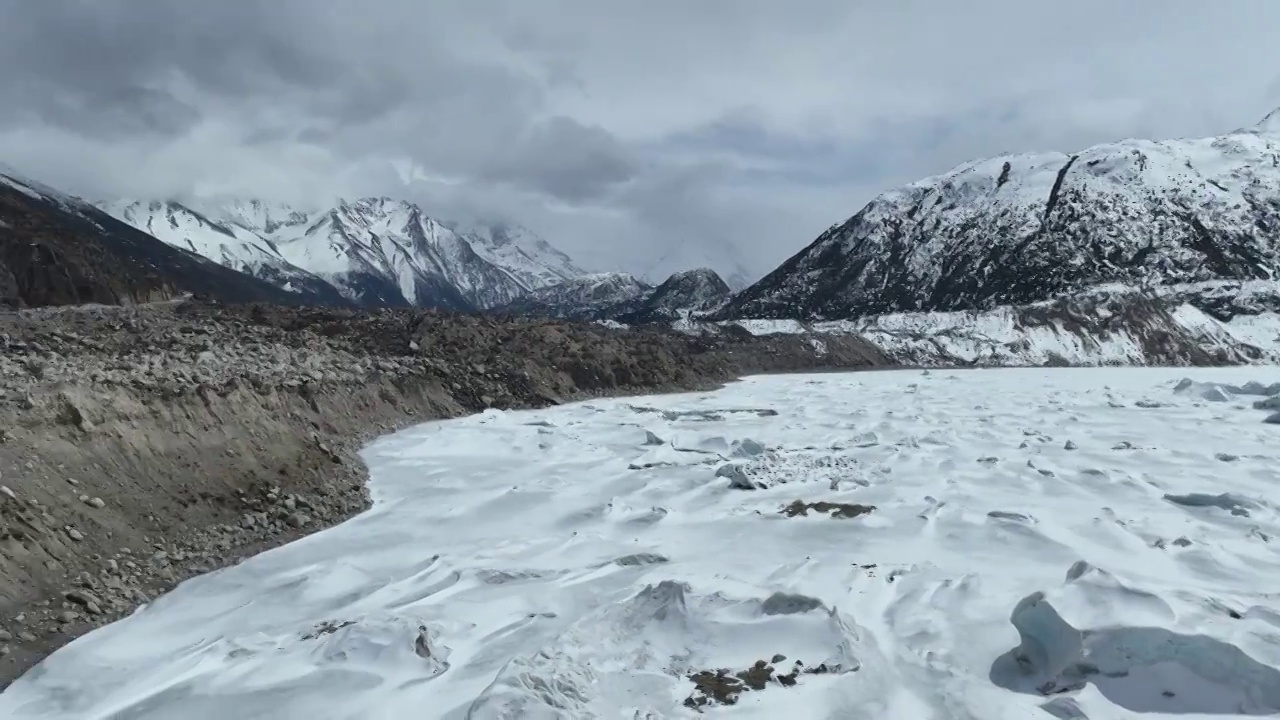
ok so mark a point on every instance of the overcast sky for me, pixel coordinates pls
(617, 130)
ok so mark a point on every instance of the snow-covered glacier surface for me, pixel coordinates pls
(987, 544)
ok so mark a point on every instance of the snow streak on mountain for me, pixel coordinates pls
(1022, 228)
(373, 251)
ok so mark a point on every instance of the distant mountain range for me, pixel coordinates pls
(371, 251)
(1189, 219)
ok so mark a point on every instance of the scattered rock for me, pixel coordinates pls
(641, 559)
(800, 508)
(328, 627)
(94, 502)
(1070, 446)
(724, 687)
(789, 604)
(85, 599)
(75, 534)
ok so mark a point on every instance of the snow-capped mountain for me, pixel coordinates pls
(267, 219)
(56, 249)
(681, 295)
(596, 296)
(225, 243)
(372, 251)
(376, 247)
(706, 253)
(1022, 228)
(534, 262)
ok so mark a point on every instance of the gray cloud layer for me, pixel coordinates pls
(618, 129)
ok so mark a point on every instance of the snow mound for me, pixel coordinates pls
(1141, 669)
(634, 658)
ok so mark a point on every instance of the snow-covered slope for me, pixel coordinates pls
(56, 249)
(378, 247)
(374, 251)
(684, 294)
(976, 545)
(225, 243)
(1022, 228)
(1110, 326)
(266, 219)
(532, 261)
(589, 297)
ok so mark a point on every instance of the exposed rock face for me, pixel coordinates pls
(681, 295)
(142, 445)
(57, 250)
(1023, 228)
(599, 296)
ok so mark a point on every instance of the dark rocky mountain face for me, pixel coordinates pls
(1024, 228)
(623, 298)
(692, 291)
(57, 250)
(599, 296)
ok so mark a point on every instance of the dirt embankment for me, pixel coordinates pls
(139, 447)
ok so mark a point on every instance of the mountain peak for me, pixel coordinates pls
(1024, 228)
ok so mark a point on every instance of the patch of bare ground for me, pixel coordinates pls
(800, 508)
(724, 687)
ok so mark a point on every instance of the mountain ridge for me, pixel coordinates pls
(374, 251)
(1025, 227)
(56, 249)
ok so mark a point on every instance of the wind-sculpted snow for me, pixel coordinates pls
(933, 545)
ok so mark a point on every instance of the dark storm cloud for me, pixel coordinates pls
(750, 122)
(565, 159)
